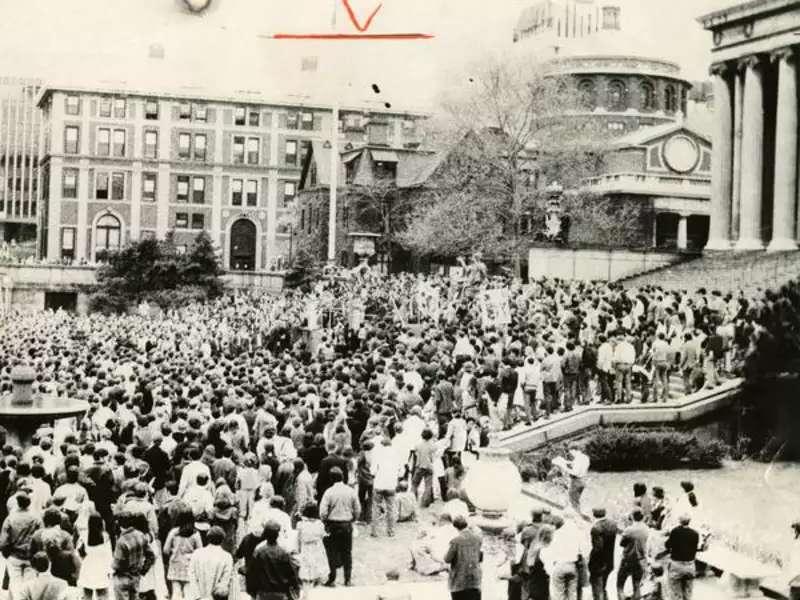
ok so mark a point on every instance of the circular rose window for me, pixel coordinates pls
(681, 154)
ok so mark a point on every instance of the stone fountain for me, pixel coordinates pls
(22, 411)
(491, 484)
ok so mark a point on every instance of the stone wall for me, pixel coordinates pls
(604, 265)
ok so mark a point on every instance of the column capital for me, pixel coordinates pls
(787, 53)
(720, 69)
(754, 61)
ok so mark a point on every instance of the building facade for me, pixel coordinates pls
(20, 146)
(122, 165)
(598, 47)
(666, 172)
(755, 190)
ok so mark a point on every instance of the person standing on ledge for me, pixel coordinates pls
(577, 469)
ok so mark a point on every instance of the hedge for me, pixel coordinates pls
(625, 449)
(622, 449)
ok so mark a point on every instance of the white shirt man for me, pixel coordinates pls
(569, 541)
(624, 353)
(190, 473)
(387, 467)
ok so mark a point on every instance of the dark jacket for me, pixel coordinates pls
(464, 557)
(604, 536)
(272, 573)
(324, 475)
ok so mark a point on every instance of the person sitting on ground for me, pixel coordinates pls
(406, 504)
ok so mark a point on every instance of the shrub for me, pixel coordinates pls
(622, 449)
(182, 296)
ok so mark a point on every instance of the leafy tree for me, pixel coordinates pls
(154, 270)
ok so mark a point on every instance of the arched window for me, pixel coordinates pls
(617, 97)
(586, 94)
(648, 95)
(670, 99)
(107, 236)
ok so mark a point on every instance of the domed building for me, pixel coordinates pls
(654, 162)
(618, 76)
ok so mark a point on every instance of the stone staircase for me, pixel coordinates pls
(562, 426)
(725, 271)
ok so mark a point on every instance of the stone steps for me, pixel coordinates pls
(727, 272)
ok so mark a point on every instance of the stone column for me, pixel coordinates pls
(683, 231)
(722, 161)
(752, 157)
(785, 197)
(738, 92)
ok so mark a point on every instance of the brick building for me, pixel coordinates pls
(124, 164)
(378, 184)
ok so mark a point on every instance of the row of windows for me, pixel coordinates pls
(187, 111)
(111, 186)
(617, 96)
(246, 150)
(183, 219)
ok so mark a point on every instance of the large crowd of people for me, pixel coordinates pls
(232, 447)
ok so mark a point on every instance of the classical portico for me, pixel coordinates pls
(754, 193)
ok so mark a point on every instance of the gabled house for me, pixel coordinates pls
(377, 186)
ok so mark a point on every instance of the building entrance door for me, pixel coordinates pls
(243, 246)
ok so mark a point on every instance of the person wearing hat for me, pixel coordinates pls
(601, 558)
(682, 545)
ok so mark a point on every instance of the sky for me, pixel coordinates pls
(229, 46)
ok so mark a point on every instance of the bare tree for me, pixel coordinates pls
(504, 123)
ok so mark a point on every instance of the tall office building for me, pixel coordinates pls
(20, 146)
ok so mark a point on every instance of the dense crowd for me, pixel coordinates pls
(231, 447)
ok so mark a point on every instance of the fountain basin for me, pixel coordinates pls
(23, 411)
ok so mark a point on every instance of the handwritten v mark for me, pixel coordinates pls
(353, 19)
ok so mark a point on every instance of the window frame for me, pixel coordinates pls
(200, 112)
(107, 178)
(307, 124)
(148, 176)
(200, 154)
(237, 182)
(120, 108)
(201, 192)
(77, 141)
(184, 153)
(117, 176)
(240, 120)
(242, 156)
(101, 131)
(148, 114)
(182, 179)
(293, 120)
(70, 250)
(287, 154)
(249, 153)
(202, 218)
(77, 109)
(104, 107)
(286, 196)
(145, 145)
(184, 217)
(251, 121)
(248, 195)
(115, 144)
(185, 111)
(74, 189)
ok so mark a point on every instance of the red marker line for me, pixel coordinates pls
(352, 36)
(347, 36)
